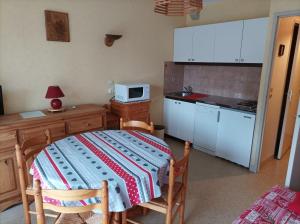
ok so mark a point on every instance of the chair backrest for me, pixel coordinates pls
(27, 151)
(140, 125)
(179, 170)
(71, 195)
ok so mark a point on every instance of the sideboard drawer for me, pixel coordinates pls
(8, 139)
(57, 131)
(84, 124)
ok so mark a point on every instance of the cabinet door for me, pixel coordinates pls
(206, 127)
(228, 42)
(170, 117)
(185, 120)
(203, 43)
(9, 187)
(235, 134)
(254, 38)
(183, 44)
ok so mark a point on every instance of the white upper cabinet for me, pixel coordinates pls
(231, 42)
(254, 38)
(183, 44)
(228, 42)
(203, 43)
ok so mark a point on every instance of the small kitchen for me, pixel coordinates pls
(211, 87)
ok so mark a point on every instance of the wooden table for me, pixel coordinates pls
(135, 165)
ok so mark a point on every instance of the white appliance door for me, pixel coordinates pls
(185, 120)
(206, 127)
(235, 134)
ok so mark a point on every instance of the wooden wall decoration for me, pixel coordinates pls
(57, 26)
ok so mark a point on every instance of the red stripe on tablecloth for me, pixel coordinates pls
(150, 142)
(60, 174)
(137, 165)
(129, 180)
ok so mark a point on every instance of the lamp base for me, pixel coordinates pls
(56, 110)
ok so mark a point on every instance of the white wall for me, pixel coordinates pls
(29, 63)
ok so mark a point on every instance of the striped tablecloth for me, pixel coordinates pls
(135, 165)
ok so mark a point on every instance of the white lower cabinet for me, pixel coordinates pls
(179, 119)
(235, 134)
(206, 127)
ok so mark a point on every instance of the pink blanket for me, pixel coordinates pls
(271, 208)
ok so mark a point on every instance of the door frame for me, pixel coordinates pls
(264, 90)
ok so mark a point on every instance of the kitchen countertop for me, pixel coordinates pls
(231, 103)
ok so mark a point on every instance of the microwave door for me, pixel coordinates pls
(135, 92)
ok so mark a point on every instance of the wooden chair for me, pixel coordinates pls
(71, 195)
(25, 153)
(174, 192)
(140, 125)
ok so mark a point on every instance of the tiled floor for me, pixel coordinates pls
(218, 190)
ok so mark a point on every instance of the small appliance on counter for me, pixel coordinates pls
(132, 92)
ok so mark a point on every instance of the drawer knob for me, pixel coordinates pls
(88, 124)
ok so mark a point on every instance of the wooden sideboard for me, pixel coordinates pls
(132, 111)
(13, 129)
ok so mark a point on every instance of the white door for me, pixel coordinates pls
(203, 43)
(228, 42)
(186, 120)
(291, 105)
(183, 44)
(293, 172)
(235, 134)
(254, 39)
(170, 117)
(206, 127)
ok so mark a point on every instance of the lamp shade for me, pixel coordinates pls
(54, 92)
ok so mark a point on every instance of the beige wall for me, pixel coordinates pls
(228, 10)
(29, 63)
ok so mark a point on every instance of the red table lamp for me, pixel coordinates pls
(54, 92)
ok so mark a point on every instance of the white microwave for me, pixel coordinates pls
(132, 92)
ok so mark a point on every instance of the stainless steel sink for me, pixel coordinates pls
(182, 94)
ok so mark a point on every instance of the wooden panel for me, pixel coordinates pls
(8, 139)
(132, 111)
(57, 130)
(9, 184)
(77, 118)
(84, 124)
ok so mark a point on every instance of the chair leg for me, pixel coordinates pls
(124, 217)
(26, 209)
(169, 216)
(182, 208)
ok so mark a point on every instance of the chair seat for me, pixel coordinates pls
(70, 219)
(82, 218)
(162, 201)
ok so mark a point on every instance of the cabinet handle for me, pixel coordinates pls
(193, 59)
(247, 117)
(5, 161)
(218, 118)
(236, 60)
(242, 60)
(175, 102)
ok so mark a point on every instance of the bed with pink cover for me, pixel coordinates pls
(272, 207)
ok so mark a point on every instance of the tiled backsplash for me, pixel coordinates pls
(173, 80)
(227, 81)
